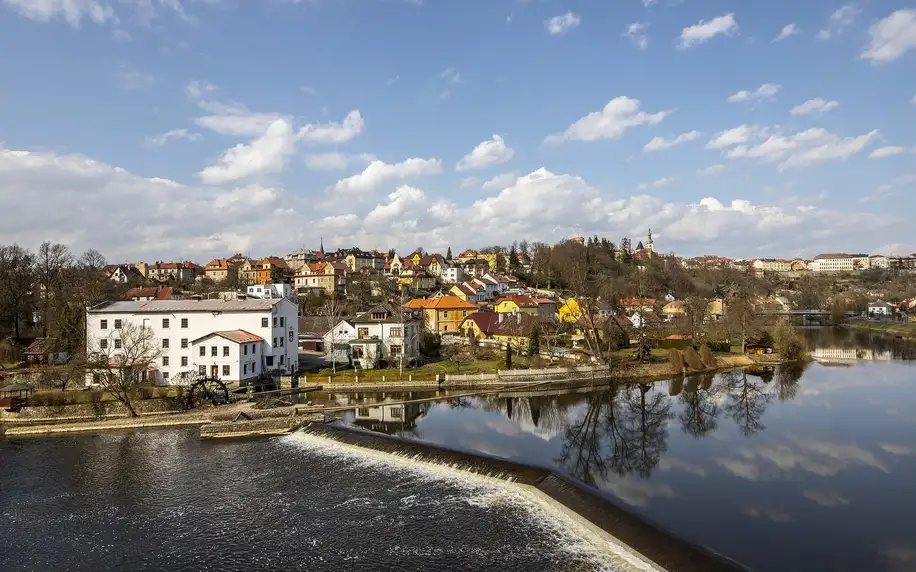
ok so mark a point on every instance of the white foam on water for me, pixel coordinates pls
(575, 536)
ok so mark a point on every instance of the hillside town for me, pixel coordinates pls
(239, 318)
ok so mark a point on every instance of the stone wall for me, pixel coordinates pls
(103, 410)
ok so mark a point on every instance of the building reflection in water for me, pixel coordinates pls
(390, 419)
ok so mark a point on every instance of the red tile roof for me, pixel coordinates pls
(441, 303)
(521, 300)
(486, 321)
(239, 336)
(154, 292)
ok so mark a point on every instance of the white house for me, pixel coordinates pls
(182, 327)
(122, 274)
(880, 308)
(840, 262)
(451, 274)
(271, 291)
(382, 333)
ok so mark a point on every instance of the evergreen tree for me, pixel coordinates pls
(513, 257)
(448, 254)
(508, 356)
(534, 343)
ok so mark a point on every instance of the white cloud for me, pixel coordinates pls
(839, 21)
(789, 30)
(647, 3)
(247, 196)
(562, 24)
(378, 172)
(711, 170)
(468, 182)
(350, 127)
(500, 182)
(816, 105)
(660, 143)
(164, 138)
(801, 149)
(734, 136)
(490, 152)
(399, 203)
(899, 450)
(451, 79)
(826, 498)
(657, 184)
(704, 31)
(197, 88)
(637, 34)
(620, 114)
(890, 151)
(71, 11)
(308, 90)
(264, 155)
(891, 37)
(235, 119)
(765, 91)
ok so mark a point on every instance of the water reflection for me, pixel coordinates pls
(846, 344)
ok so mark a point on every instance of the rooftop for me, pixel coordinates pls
(237, 336)
(172, 306)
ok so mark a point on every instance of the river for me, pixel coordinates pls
(788, 469)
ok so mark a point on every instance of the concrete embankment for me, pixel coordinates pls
(586, 506)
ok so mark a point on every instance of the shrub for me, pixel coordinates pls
(707, 357)
(676, 359)
(693, 359)
(787, 342)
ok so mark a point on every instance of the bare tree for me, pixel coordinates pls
(16, 282)
(121, 361)
(50, 264)
(332, 311)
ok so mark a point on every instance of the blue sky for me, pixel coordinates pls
(179, 129)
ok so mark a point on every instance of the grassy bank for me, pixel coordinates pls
(903, 329)
(426, 371)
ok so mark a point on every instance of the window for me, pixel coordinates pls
(165, 375)
(395, 332)
(165, 323)
(118, 343)
(203, 351)
(244, 368)
(275, 343)
(464, 314)
(363, 412)
(165, 343)
(184, 361)
(358, 351)
(103, 344)
(254, 348)
(202, 369)
(269, 360)
(281, 341)
(184, 343)
(379, 316)
(165, 361)
(117, 324)
(275, 321)
(282, 322)
(225, 370)
(445, 328)
(245, 349)
(184, 322)
(281, 359)
(264, 322)
(362, 333)
(214, 351)
(397, 412)
(103, 324)
(395, 350)
(225, 351)
(445, 314)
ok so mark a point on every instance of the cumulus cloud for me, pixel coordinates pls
(765, 91)
(619, 115)
(656, 184)
(636, 32)
(660, 143)
(500, 181)
(379, 171)
(350, 127)
(490, 152)
(561, 24)
(174, 134)
(795, 150)
(891, 37)
(816, 105)
(234, 119)
(264, 155)
(703, 31)
(788, 30)
(841, 19)
(399, 202)
(333, 161)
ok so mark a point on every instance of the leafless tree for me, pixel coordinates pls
(122, 365)
(50, 264)
(16, 283)
(332, 311)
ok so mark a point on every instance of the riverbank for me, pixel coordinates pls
(905, 330)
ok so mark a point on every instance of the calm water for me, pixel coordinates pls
(785, 470)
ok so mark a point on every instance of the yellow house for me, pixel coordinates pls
(415, 257)
(517, 304)
(417, 279)
(515, 330)
(481, 325)
(674, 309)
(570, 312)
(467, 292)
(444, 314)
(490, 258)
(715, 310)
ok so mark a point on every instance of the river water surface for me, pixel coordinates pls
(789, 469)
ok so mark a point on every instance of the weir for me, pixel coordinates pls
(635, 543)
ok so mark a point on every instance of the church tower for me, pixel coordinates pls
(649, 245)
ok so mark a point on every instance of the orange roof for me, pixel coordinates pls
(237, 336)
(441, 303)
(637, 301)
(543, 301)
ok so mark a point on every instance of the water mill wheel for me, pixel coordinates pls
(207, 391)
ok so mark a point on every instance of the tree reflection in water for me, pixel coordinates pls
(747, 400)
(624, 429)
(700, 406)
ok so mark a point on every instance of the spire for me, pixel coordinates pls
(322, 246)
(649, 245)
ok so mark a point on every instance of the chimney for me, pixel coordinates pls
(500, 317)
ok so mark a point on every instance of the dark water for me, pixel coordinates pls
(165, 500)
(791, 469)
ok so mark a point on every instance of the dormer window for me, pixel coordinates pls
(378, 315)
